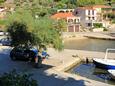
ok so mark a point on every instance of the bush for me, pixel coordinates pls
(14, 79)
(105, 29)
(97, 25)
(113, 21)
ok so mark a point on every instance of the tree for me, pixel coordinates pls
(89, 2)
(48, 33)
(19, 34)
(61, 25)
(2, 1)
(38, 31)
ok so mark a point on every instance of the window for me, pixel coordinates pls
(70, 20)
(67, 11)
(61, 11)
(78, 20)
(88, 24)
(92, 12)
(76, 12)
(93, 18)
(88, 12)
(89, 18)
(74, 20)
(71, 10)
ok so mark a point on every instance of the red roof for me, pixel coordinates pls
(62, 15)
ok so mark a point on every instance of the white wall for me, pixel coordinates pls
(83, 14)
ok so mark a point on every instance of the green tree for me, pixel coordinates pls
(48, 33)
(19, 34)
(61, 25)
(2, 1)
(89, 2)
(38, 31)
(97, 25)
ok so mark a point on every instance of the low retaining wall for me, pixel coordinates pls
(66, 66)
(100, 38)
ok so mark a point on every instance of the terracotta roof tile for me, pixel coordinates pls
(62, 15)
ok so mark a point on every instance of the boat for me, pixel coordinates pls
(105, 63)
(112, 73)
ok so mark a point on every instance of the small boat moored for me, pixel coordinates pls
(112, 73)
(104, 63)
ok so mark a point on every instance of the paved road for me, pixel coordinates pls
(45, 76)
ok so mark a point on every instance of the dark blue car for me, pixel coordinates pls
(20, 53)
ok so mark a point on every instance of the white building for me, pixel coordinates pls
(90, 15)
(73, 22)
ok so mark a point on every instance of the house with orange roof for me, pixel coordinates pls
(92, 14)
(73, 22)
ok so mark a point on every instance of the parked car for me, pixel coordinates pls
(20, 53)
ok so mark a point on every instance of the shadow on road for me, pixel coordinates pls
(7, 65)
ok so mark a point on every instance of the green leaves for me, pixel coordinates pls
(2, 1)
(19, 34)
(14, 79)
(89, 2)
(47, 33)
(30, 24)
(97, 25)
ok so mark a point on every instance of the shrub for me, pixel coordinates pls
(97, 25)
(105, 29)
(14, 79)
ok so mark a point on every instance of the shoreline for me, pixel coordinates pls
(82, 55)
(86, 35)
(55, 66)
(62, 61)
(67, 61)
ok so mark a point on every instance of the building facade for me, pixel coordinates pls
(73, 22)
(91, 14)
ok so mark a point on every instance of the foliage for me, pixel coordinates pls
(105, 29)
(65, 4)
(25, 29)
(37, 7)
(89, 2)
(2, 1)
(97, 25)
(3, 22)
(110, 16)
(47, 33)
(14, 79)
(19, 34)
(61, 25)
(113, 21)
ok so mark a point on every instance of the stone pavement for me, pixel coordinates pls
(52, 73)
